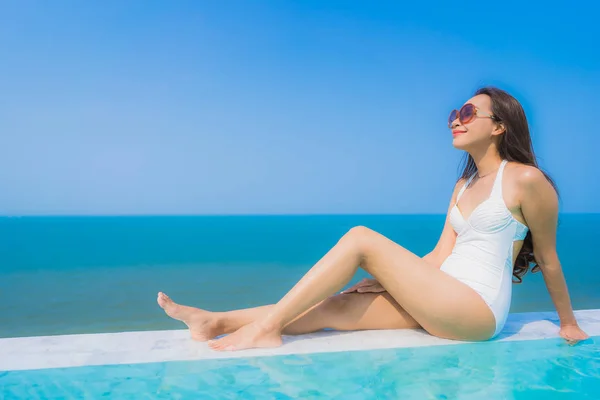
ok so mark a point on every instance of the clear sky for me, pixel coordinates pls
(270, 107)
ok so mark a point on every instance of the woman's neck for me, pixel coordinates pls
(486, 161)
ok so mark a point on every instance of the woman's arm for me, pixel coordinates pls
(447, 239)
(539, 205)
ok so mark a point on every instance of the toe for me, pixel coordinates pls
(220, 345)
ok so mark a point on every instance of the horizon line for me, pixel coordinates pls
(244, 215)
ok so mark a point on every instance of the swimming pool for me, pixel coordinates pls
(527, 361)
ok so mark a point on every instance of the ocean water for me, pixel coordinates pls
(540, 369)
(61, 275)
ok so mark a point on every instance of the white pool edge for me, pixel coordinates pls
(40, 352)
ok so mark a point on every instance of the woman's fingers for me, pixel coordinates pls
(356, 287)
(351, 289)
(371, 289)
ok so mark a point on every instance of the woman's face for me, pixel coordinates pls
(478, 129)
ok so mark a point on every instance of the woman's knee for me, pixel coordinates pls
(361, 238)
(360, 231)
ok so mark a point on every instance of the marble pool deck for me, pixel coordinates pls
(39, 352)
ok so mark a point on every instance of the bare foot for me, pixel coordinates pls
(248, 336)
(202, 324)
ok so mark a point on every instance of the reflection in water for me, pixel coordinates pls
(543, 369)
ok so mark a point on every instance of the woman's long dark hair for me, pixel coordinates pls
(515, 145)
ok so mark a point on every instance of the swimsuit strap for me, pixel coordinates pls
(497, 188)
(460, 193)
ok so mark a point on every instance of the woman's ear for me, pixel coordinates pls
(500, 129)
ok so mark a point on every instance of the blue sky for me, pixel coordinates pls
(270, 107)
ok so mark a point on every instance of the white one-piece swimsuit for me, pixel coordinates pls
(482, 255)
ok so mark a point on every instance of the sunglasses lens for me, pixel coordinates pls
(467, 113)
(452, 117)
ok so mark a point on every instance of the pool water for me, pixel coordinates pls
(531, 369)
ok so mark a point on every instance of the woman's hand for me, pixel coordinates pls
(572, 334)
(366, 286)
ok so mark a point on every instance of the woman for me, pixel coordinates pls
(502, 216)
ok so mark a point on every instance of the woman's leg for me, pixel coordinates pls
(353, 311)
(442, 305)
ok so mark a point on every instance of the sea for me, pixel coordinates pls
(65, 275)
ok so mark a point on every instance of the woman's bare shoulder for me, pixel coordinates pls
(529, 181)
(525, 175)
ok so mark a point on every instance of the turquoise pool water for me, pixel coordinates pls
(539, 369)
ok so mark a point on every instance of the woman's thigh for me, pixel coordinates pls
(363, 311)
(438, 302)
